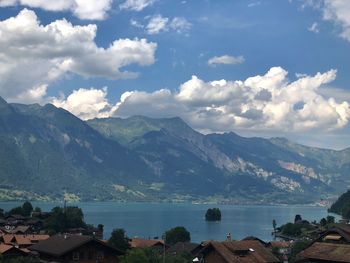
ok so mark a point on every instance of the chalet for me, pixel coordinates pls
(8, 251)
(156, 244)
(325, 252)
(22, 241)
(185, 247)
(76, 248)
(340, 234)
(236, 252)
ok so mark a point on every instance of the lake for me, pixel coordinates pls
(149, 220)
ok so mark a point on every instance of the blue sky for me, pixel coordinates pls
(255, 63)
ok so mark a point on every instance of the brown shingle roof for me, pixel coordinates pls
(327, 251)
(141, 243)
(247, 251)
(61, 244)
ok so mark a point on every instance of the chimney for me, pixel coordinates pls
(228, 238)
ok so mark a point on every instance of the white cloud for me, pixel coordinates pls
(180, 25)
(314, 28)
(337, 11)
(267, 103)
(225, 59)
(87, 103)
(32, 56)
(157, 24)
(136, 5)
(83, 9)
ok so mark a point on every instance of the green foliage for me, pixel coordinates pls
(62, 219)
(213, 214)
(37, 209)
(16, 211)
(2, 213)
(148, 255)
(323, 222)
(297, 247)
(297, 218)
(291, 229)
(342, 205)
(330, 219)
(177, 234)
(119, 239)
(27, 208)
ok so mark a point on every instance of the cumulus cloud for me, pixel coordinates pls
(226, 60)
(268, 102)
(83, 9)
(157, 24)
(136, 5)
(32, 55)
(337, 11)
(87, 103)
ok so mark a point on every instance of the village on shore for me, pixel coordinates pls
(28, 234)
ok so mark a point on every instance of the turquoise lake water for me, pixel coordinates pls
(149, 220)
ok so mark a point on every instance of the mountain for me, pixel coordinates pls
(229, 166)
(47, 153)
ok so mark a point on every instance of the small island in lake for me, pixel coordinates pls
(213, 214)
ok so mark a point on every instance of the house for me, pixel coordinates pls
(7, 251)
(185, 247)
(76, 248)
(22, 241)
(340, 234)
(156, 244)
(325, 252)
(251, 251)
(262, 242)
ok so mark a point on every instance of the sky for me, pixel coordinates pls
(258, 68)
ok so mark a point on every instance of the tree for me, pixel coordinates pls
(27, 208)
(177, 234)
(213, 214)
(323, 222)
(274, 224)
(297, 218)
(37, 209)
(330, 219)
(1, 213)
(16, 211)
(62, 219)
(119, 239)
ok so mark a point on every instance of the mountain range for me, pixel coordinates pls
(46, 153)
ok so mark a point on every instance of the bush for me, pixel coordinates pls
(177, 234)
(119, 239)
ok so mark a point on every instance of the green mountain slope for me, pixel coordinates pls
(46, 152)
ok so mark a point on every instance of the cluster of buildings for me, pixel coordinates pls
(24, 237)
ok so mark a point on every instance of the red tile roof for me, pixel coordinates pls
(141, 243)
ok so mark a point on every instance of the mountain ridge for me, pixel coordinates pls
(47, 153)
